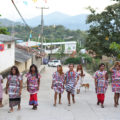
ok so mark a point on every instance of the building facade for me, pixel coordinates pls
(7, 55)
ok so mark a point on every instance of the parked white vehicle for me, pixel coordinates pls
(54, 63)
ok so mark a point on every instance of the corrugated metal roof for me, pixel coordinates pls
(21, 55)
(7, 38)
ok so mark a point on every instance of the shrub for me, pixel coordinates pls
(76, 60)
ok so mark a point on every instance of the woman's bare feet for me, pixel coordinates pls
(10, 111)
(19, 108)
(115, 105)
(60, 102)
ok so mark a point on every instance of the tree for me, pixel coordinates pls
(3, 30)
(104, 29)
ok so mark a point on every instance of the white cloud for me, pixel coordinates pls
(70, 7)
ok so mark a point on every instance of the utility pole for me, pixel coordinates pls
(42, 25)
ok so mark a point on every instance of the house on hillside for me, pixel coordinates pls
(7, 52)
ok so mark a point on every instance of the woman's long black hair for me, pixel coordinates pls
(101, 65)
(36, 70)
(16, 69)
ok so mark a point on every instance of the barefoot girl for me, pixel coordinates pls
(101, 84)
(14, 88)
(33, 84)
(58, 83)
(81, 75)
(71, 79)
(1, 90)
(116, 82)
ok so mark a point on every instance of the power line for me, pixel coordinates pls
(21, 15)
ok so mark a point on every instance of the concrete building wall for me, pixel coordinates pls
(28, 64)
(24, 66)
(21, 66)
(69, 48)
(7, 57)
(37, 61)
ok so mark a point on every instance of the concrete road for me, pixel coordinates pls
(84, 109)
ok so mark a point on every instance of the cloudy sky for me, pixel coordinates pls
(70, 7)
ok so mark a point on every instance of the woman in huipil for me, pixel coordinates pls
(58, 84)
(101, 84)
(116, 82)
(71, 79)
(14, 88)
(81, 76)
(33, 84)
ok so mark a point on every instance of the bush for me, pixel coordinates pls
(76, 60)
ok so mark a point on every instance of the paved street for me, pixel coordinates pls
(84, 109)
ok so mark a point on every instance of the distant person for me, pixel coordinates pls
(101, 84)
(1, 91)
(81, 76)
(14, 88)
(116, 82)
(33, 84)
(58, 84)
(71, 79)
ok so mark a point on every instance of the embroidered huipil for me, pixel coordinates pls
(102, 83)
(32, 82)
(58, 82)
(71, 78)
(14, 86)
(116, 81)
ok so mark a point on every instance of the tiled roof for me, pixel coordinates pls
(31, 51)
(21, 55)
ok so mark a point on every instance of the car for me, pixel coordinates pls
(54, 63)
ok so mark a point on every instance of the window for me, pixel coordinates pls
(9, 46)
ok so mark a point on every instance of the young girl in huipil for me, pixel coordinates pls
(58, 83)
(33, 84)
(71, 79)
(81, 76)
(116, 82)
(14, 88)
(1, 91)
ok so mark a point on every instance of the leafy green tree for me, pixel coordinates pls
(104, 29)
(3, 30)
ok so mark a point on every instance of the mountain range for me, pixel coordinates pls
(6, 22)
(56, 18)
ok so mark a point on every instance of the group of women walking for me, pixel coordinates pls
(101, 83)
(69, 81)
(14, 87)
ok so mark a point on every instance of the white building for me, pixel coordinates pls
(7, 56)
(69, 47)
